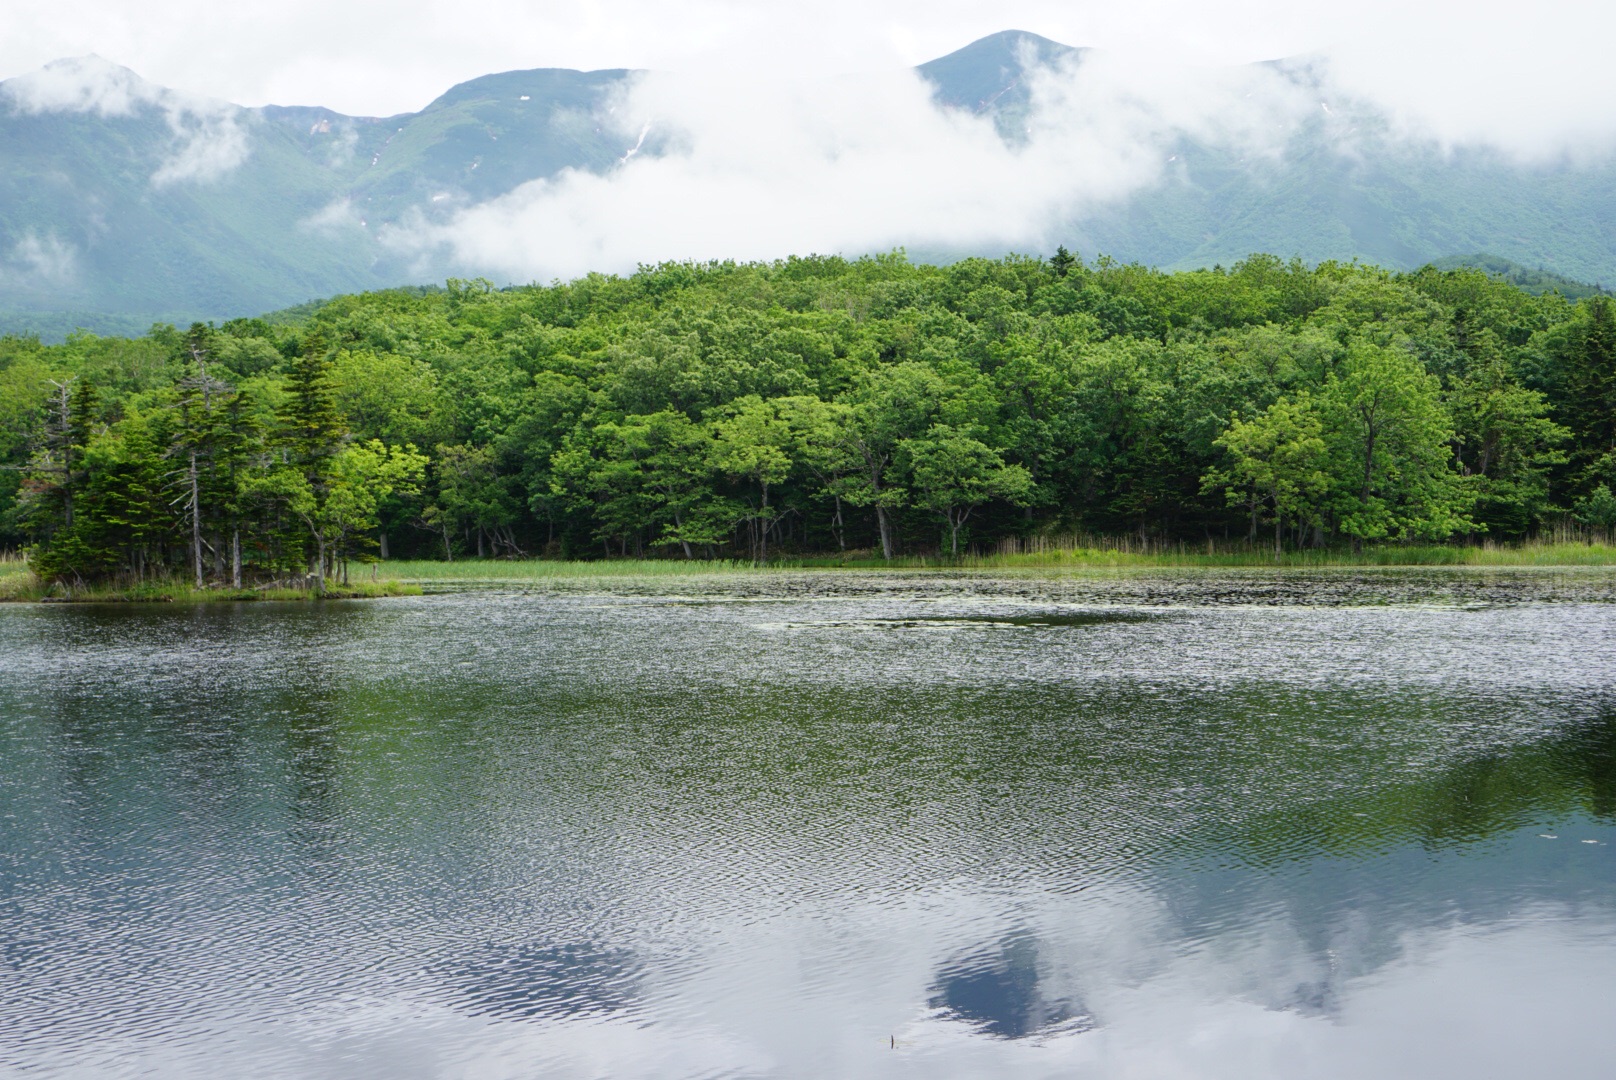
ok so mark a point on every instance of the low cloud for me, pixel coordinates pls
(79, 85)
(39, 262)
(209, 145)
(759, 168)
(209, 137)
(337, 216)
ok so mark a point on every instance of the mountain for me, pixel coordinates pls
(1346, 187)
(991, 76)
(123, 202)
(1524, 278)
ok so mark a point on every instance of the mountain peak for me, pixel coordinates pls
(89, 83)
(990, 72)
(552, 85)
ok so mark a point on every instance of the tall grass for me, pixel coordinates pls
(1561, 548)
(1038, 553)
(503, 570)
(16, 580)
(26, 587)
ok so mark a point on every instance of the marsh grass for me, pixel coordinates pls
(16, 580)
(405, 577)
(25, 587)
(506, 570)
(1532, 553)
(1075, 555)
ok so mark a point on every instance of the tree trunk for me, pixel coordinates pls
(235, 557)
(384, 544)
(1368, 466)
(886, 530)
(881, 520)
(679, 523)
(196, 522)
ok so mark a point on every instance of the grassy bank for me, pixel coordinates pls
(1529, 554)
(471, 571)
(15, 578)
(1111, 554)
(26, 588)
(404, 577)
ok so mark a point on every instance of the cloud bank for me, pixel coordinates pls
(1502, 70)
(793, 129)
(854, 164)
(39, 263)
(209, 139)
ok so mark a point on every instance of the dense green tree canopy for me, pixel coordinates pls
(816, 404)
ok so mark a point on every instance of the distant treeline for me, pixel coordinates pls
(814, 405)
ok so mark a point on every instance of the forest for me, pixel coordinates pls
(814, 405)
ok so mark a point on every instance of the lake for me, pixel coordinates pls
(1154, 824)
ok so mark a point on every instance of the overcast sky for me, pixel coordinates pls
(388, 56)
(798, 126)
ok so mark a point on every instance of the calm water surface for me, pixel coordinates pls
(819, 825)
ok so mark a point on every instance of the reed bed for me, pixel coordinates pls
(1034, 553)
(401, 577)
(16, 580)
(517, 570)
(25, 587)
(1552, 550)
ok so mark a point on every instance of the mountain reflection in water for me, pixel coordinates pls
(811, 825)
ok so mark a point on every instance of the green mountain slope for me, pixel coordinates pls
(1345, 188)
(93, 233)
(110, 219)
(990, 76)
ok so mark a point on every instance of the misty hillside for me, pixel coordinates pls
(122, 203)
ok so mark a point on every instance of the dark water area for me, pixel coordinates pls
(819, 825)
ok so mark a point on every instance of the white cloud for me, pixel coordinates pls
(798, 128)
(81, 84)
(1490, 69)
(209, 143)
(39, 262)
(209, 137)
(339, 215)
(853, 164)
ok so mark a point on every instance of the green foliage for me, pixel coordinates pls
(759, 411)
(1281, 456)
(306, 211)
(1389, 450)
(953, 474)
(1598, 509)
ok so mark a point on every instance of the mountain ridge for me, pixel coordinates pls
(113, 211)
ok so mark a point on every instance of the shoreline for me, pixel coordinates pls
(1545, 557)
(34, 592)
(406, 577)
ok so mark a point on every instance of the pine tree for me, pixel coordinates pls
(311, 434)
(311, 427)
(199, 433)
(1593, 397)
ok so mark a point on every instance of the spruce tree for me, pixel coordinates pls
(1593, 397)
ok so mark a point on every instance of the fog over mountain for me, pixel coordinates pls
(122, 201)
